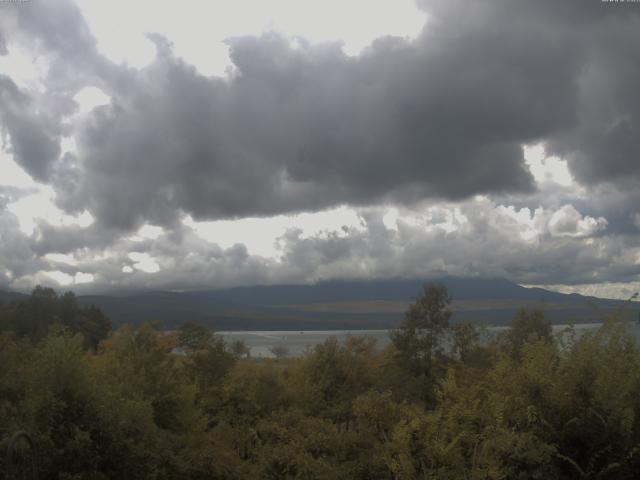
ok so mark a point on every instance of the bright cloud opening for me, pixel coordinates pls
(144, 262)
(547, 169)
(192, 24)
(89, 98)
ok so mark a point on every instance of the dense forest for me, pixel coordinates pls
(441, 401)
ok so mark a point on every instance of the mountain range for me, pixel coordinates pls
(344, 304)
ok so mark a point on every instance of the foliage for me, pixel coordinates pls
(148, 404)
(420, 338)
(528, 326)
(279, 351)
(32, 318)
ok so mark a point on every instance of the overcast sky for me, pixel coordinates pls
(188, 144)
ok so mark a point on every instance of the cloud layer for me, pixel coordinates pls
(300, 127)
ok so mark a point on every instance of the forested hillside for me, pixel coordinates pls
(138, 403)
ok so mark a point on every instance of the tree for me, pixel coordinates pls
(333, 375)
(35, 316)
(279, 351)
(529, 325)
(420, 335)
(423, 328)
(92, 324)
(465, 338)
(239, 349)
(207, 359)
(192, 336)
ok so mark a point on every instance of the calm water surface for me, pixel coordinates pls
(260, 343)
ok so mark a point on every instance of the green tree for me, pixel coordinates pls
(420, 337)
(206, 359)
(465, 339)
(193, 337)
(279, 351)
(330, 378)
(239, 349)
(529, 325)
(33, 317)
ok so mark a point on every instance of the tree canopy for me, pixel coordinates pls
(440, 402)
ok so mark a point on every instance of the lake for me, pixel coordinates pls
(297, 342)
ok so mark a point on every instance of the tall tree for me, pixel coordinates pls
(529, 325)
(420, 336)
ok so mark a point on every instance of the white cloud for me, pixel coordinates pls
(89, 98)
(488, 242)
(390, 219)
(259, 235)
(144, 262)
(61, 258)
(40, 206)
(58, 278)
(147, 232)
(82, 277)
(614, 290)
(547, 169)
(526, 220)
(569, 222)
(61, 278)
(68, 145)
(12, 174)
(27, 69)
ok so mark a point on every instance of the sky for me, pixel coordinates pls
(183, 145)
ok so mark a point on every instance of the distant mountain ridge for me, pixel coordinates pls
(394, 289)
(8, 296)
(340, 304)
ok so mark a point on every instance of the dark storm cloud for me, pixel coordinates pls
(305, 127)
(604, 146)
(66, 239)
(601, 145)
(298, 129)
(603, 40)
(301, 127)
(33, 136)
